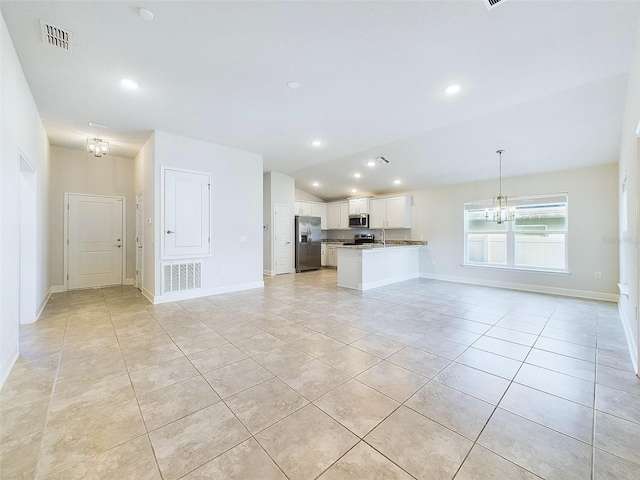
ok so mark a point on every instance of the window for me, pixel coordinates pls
(535, 240)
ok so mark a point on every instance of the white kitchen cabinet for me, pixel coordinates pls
(390, 212)
(320, 210)
(323, 254)
(302, 208)
(332, 255)
(338, 215)
(358, 205)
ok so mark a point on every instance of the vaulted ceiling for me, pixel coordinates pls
(544, 80)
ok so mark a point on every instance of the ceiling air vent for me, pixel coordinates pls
(493, 3)
(56, 37)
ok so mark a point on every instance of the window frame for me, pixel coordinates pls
(511, 232)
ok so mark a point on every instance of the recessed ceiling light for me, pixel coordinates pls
(451, 89)
(315, 184)
(356, 175)
(397, 182)
(293, 84)
(146, 14)
(97, 125)
(371, 163)
(316, 143)
(129, 84)
(353, 190)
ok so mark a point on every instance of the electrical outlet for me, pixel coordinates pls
(598, 275)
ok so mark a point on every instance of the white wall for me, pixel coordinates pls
(303, 196)
(236, 210)
(593, 227)
(20, 130)
(75, 171)
(628, 167)
(278, 189)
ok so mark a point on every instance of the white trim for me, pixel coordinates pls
(566, 292)
(57, 289)
(129, 281)
(269, 273)
(516, 269)
(43, 304)
(5, 370)
(631, 343)
(201, 292)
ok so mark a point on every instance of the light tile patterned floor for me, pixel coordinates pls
(305, 380)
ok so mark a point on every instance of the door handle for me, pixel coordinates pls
(139, 246)
(119, 246)
(169, 232)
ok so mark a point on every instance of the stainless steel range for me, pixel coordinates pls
(361, 239)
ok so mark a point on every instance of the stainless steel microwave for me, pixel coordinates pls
(359, 221)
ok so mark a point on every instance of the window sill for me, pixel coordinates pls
(518, 269)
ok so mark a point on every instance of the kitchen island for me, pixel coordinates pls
(363, 267)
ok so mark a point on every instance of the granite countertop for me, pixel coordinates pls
(378, 244)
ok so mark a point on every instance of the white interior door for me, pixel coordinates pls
(282, 239)
(95, 241)
(139, 238)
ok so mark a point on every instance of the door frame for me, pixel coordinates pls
(28, 309)
(65, 276)
(139, 251)
(273, 243)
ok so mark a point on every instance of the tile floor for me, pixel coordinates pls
(304, 380)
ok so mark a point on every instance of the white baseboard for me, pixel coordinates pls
(129, 281)
(43, 304)
(566, 292)
(5, 369)
(268, 273)
(203, 292)
(631, 342)
(56, 289)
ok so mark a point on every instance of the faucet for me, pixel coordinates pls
(384, 237)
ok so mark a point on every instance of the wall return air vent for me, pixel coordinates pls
(177, 277)
(493, 3)
(56, 37)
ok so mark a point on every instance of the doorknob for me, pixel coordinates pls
(169, 232)
(119, 246)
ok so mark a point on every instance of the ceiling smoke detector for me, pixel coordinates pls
(493, 3)
(382, 160)
(56, 37)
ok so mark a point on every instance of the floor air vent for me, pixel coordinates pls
(493, 3)
(56, 37)
(178, 277)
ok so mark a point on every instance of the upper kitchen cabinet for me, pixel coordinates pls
(338, 215)
(390, 212)
(312, 209)
(302, 208)
(320, 210)
(358, 205)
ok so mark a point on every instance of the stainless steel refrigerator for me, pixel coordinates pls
(308, 243)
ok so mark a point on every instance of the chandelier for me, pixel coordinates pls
(500, 212)
(97, 147)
